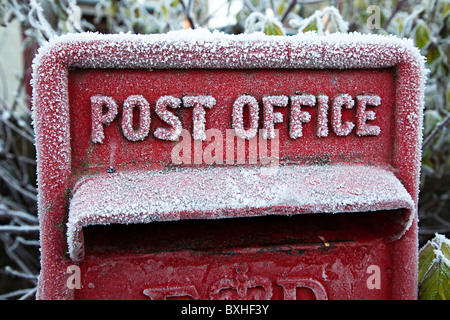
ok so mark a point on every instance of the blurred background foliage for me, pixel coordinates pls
(427, 22)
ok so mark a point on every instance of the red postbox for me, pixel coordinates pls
(201, 165)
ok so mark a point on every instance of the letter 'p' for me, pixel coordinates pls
(99, 119)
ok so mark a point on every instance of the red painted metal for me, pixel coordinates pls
(336, 218)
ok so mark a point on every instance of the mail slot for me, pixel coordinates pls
(198, 165)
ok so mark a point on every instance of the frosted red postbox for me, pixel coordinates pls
(198, 165)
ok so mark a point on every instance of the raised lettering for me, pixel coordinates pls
(362, 116)
(238, 116)
(322, 116)
(144, 118)
(162, 293)
(341, 129)
(199, 103)
(298, 116)
(105, 109)
(168, 117)
(271, 117)
(290, 284)
(100, 119)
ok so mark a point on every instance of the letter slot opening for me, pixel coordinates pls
(222, 235)
(203, 259)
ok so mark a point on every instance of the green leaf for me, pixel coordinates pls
(445, 248)
(164, 11)
(445, 8)
(434, 269)
(113, 8)
(448, 94)
(422, 35)
(426, 258)
(271, 28)
(311, 27)
(281, 8)
(432, 53)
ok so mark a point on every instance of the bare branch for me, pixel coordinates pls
(15, 273)
(288, 10)
(18, 130)
(212, 14)
(24, 293)
(249, 6)
(14, 184)
(25, 242)
(433, 134)
(23, 258)
(30, 294)
(187, 12)
(19, 229)
(24, 216)
(397, 9)
(433, 230)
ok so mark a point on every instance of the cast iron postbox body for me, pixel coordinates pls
(208, 166)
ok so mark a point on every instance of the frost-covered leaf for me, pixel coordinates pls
(273, 29)
(326, 20)
(257, 22)
(434, 269)
(311, 27)
(426, 258)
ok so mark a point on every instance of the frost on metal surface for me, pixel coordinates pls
(270, 117)
(238, 118)
(298, 116)
(142, 197)
(199, 103)
(98, 118)
(363, 115)
(204, 49)
(192, 49)
(174, 132)
(341, 129)
(136, 101)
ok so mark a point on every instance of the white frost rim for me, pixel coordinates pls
(226, 192)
